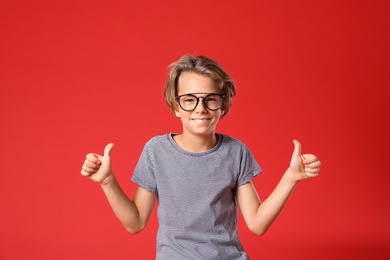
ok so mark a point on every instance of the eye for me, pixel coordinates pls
(211, 99)
(188, 99)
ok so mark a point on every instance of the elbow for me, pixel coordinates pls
(258, 231)
(134, 229)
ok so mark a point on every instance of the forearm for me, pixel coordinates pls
(124, 209)
(270, 209)
(259, 216)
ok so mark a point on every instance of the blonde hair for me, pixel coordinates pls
(203, 66)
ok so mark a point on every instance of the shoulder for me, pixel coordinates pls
(158, 138)
(231, 141)
(157, 142)
(235, 146)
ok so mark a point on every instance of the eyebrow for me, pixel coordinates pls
(200, 94)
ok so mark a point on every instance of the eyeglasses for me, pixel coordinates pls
(189, 102)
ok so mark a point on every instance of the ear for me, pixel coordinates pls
(177, 114)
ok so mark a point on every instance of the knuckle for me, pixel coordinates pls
(84, 173)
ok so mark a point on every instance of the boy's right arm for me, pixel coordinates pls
(133, 214)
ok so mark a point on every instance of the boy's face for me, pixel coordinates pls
(201, 120)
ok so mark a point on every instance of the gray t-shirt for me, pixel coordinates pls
(197, 210)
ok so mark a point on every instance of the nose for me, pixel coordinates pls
(201, 108)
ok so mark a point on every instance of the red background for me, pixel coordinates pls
(76, 75)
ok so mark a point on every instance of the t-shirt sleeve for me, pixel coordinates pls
(144, 173)
(249, 168)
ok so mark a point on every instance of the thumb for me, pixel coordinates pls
(297, 148)
(107, 150)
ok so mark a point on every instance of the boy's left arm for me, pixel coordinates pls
(260, 215)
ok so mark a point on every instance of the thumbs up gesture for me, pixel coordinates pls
(303, 166)
(97, 167)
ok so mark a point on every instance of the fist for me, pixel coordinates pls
(98, 167)
(303, 166)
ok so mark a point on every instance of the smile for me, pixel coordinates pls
(200, 119)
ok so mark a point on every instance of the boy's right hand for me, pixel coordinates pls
(97, 167)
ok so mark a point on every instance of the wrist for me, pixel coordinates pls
(290, 177)
(108, 180)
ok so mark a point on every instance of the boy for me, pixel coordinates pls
(198, 176)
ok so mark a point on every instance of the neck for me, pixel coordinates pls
(196, 144)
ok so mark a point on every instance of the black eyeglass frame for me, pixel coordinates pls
(223, 96)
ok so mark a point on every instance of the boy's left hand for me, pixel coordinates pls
(303, 166)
